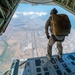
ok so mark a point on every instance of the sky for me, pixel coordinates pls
(40, 11)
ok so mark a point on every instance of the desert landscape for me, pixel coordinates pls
(23, 41)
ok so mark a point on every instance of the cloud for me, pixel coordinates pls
(31, 14)
(15, 15)
(35, 13)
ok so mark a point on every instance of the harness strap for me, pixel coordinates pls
(55, 39)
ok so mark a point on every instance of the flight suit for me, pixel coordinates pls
(53, 39)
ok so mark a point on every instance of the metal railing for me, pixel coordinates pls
(7, 9)
(67, 4)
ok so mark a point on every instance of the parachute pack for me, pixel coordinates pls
(60, 24)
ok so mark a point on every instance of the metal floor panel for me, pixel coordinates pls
(43, 66)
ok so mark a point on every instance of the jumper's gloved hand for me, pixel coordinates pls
(48, 36)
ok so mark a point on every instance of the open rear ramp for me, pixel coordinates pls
(43, 66)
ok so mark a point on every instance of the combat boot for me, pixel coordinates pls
(49, 52)
(48, 57)
(59, 56)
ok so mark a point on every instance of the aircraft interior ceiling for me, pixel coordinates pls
(37, 1)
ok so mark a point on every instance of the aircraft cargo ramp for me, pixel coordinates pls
(44, 66)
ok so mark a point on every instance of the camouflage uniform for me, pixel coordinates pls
(53, 39)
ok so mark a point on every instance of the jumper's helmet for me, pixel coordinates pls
(54, 11)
